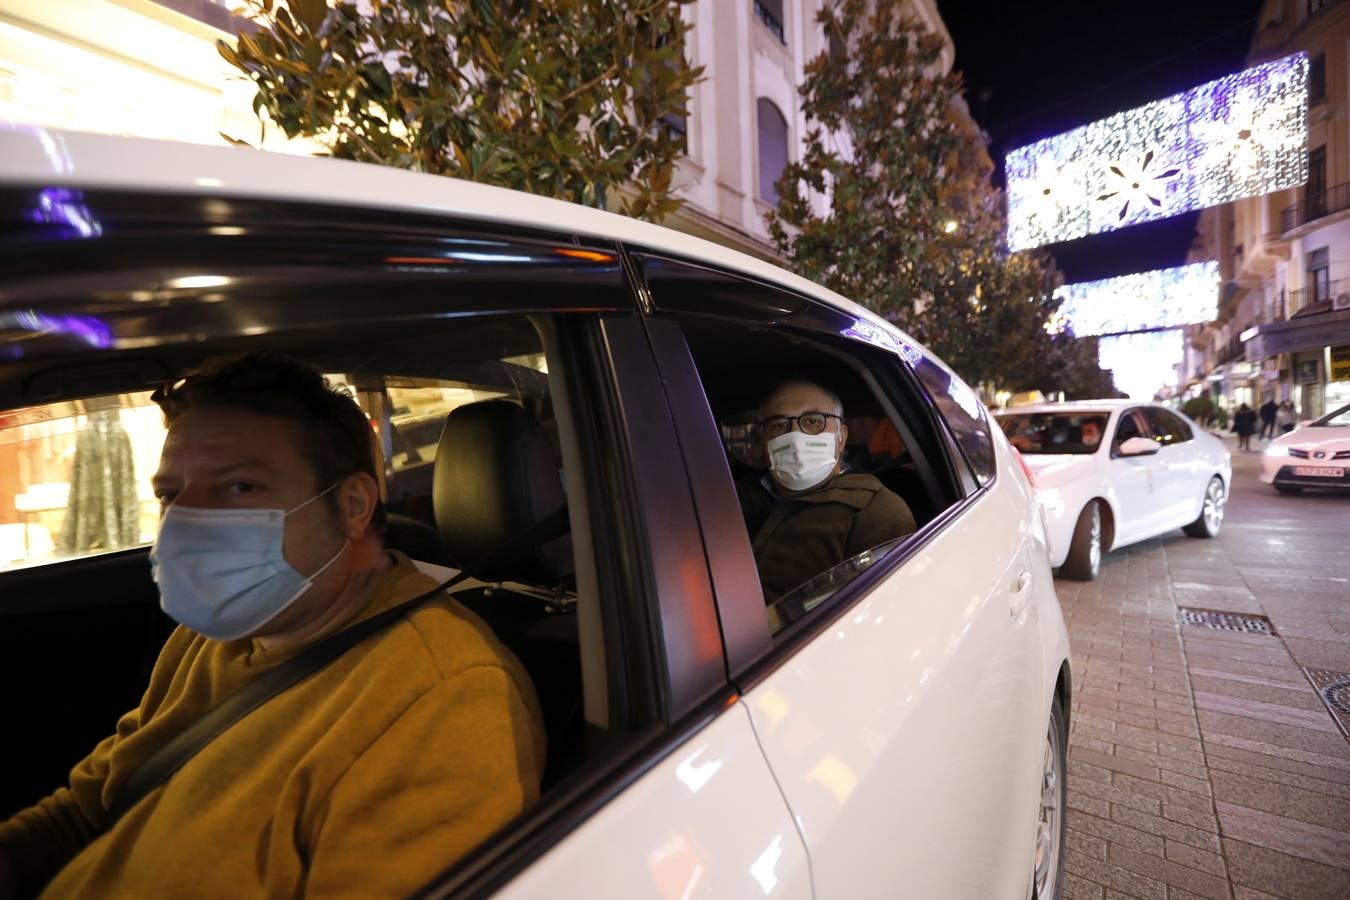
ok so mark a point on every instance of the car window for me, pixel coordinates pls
(75, 478)
(964, 413)
(1166, 426)
(1339, 418)
(1130, 425)
(806, 548)
(1058, 432)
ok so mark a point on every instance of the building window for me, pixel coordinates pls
(1315, 196)
(773, 148)
(1319, 274)
(1317, 79)
(770, 12)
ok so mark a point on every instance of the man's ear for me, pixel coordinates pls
(843, 436)
(360, 493)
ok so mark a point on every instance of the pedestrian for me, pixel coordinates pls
(1268, 410)
(1284, 417)
(1244, 423)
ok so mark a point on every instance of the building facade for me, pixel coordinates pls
(1283, 329)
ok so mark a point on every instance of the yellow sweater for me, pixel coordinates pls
(365, 780)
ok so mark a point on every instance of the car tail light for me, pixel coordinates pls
(1026, 469)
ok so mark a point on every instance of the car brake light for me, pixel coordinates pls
(1026, 469)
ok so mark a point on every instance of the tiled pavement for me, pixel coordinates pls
(1202, 763)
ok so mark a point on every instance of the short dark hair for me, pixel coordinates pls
(336, 436)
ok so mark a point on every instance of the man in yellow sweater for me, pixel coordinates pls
(366, 779)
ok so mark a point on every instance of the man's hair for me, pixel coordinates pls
(336, 438)
(835, 404)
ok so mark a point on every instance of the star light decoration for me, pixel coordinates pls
(1240, 136)
(1163, 298)
(1142, 364)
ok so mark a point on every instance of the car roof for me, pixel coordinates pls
(1073, 406)
(36, 156)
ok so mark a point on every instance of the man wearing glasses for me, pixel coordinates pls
(808, 514)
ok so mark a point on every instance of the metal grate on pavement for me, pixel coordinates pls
(1243, 623)
(1334, 689)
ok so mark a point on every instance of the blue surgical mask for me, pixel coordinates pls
(221, 572)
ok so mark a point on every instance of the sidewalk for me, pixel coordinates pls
(1203, 763)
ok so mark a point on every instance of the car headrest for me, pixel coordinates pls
(496, 481)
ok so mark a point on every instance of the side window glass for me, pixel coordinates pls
(964, 413)
(75, 478)
(1167, 428)
(827, 480)
(1128, 427)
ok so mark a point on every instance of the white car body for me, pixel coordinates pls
(1316, 455)
(897, 752)
(1145, 495)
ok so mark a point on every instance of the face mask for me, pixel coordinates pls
(800, 461)
(221, 572)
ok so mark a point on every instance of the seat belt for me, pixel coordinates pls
(161, 765)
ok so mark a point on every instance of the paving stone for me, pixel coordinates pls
(1315, 719)
(1292, 803)
(1108, 876)
(1204, 860)
(1292, 836)
(1282, 875)
(1173, 874)
(1203, 838)
(1079, 888)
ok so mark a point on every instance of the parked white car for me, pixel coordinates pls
(1316, 455)
(1115, 472)
(898, 725)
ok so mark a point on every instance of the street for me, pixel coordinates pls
(1202, 762)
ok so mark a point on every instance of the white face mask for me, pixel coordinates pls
(221, 572)
(800, 461)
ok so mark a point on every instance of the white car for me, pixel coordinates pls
(896, 726)
(1115, 472)
(1316, 455)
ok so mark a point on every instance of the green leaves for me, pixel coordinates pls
(560, 97)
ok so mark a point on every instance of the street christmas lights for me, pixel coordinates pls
(1240, 136)
(1162, 298)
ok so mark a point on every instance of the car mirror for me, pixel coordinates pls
(1139, 446)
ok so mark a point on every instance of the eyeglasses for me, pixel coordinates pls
(807, 423)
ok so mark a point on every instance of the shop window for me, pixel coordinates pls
(1319, 274)
(773, 148)
(75, 478)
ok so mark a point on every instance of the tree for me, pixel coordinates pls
(567, 98)
(914, 228)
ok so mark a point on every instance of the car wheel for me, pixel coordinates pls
(1210, 520)
(1084, 561)
(1288, 488)
(1048, 876)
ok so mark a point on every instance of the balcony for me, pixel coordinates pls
(1304, 297)
(1314, 207)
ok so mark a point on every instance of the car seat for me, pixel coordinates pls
(500, 510)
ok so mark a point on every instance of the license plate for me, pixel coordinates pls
(1319, 472)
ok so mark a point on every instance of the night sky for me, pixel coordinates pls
(1035, 69)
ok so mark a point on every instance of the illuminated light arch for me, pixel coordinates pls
(1243, 135)
(1162, 298)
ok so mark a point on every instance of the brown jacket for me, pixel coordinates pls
(803, 535)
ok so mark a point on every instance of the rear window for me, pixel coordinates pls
(1061, 432)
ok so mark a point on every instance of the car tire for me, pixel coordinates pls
(1084, 561)
(1210, 520)
(1047, 874)
(1288, 489)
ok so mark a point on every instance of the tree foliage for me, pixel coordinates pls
(558, 97)
(914, 229)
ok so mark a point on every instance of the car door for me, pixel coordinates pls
(1181, 470)
(900, 714)
(1135, 480)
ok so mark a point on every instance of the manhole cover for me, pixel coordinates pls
(1334, 689)
(1226, 621)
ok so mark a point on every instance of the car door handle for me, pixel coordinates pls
(1020, 596)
